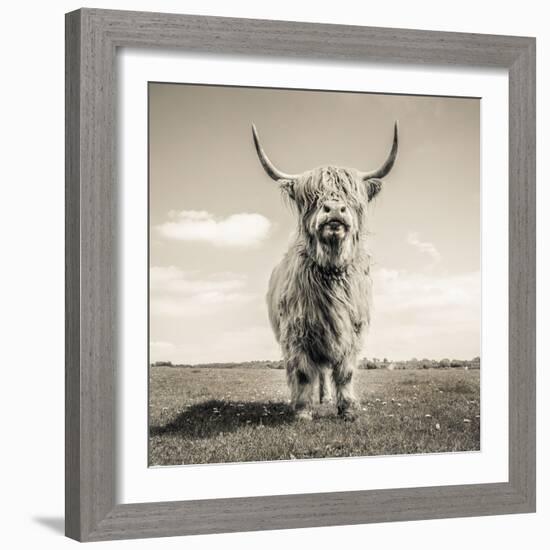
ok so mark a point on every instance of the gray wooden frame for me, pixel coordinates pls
(92, 39)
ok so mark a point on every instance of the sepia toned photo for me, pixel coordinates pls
(314, 274)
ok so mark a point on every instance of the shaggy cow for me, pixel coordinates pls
(320, 293)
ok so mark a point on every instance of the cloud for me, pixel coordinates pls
(174, 280)
(246, 343)
(424, 247)
(400, 290)
(238, 230)
(198, 318)
(425, 315)
(177, 293)
(159, 345)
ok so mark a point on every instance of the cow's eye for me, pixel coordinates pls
(326, 209)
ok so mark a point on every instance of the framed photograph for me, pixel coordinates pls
(300, 275)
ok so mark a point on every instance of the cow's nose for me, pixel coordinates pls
(334, 207)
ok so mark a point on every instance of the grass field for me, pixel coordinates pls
(211, 415)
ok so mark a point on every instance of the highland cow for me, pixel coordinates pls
(319, 296)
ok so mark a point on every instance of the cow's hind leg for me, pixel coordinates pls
(345, 396)
(301, 379)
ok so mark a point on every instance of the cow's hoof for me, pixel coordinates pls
(304, 414)
(348, 414)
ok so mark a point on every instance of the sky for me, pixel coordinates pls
(218, 224)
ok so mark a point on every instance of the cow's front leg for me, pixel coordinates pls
(301, 379)
(345, 397)
(325, 386)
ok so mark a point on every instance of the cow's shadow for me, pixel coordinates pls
(211, 418)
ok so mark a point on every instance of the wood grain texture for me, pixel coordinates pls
(92, 37)
(91, 218)
(522, 274)
(72, 276)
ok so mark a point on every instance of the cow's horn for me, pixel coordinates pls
(388, 165)
(270, 169)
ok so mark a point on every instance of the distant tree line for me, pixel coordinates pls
(246, 364)
(365, 363)
(414, 363)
